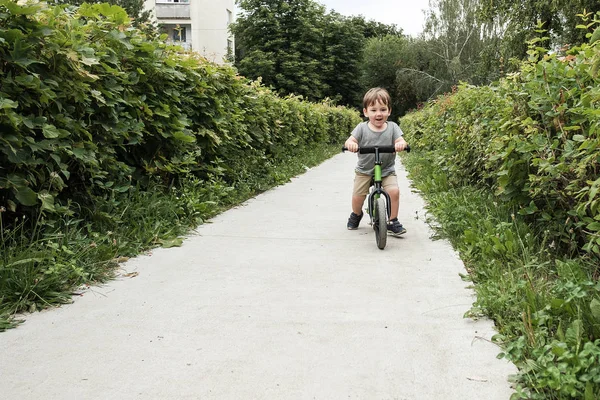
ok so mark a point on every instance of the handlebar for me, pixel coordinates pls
(381, 149)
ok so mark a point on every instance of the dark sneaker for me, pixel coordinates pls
(395, 228)
(354, 220)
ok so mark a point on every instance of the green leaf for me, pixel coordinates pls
(50, 131)
(595, 308)
(578, 138)
(595, 35)
(19, 55)
(24, 261)
(574, 333)
(181, 136)
(12, 206)
(19, 9)
(7, 103)
(177, 242)
(559, 349)
(79, 153)
(47, 201)
(560, 332)
(589, 391)
(121, 189)
(26, 196)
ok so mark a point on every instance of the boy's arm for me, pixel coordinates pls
(351, 144)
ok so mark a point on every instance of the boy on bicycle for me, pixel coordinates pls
(377, 131)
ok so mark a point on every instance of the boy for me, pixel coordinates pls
(377, 131)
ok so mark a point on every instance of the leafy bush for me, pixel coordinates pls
(510, 172)
(105, 130)
(532, 138)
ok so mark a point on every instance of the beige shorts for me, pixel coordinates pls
(362, 183)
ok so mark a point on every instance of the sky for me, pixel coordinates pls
(406, 14)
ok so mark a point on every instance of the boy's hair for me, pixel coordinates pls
(375, 94)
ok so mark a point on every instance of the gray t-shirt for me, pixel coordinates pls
(367, 138)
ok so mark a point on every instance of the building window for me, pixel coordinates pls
(172, 1)
(229, 17)
(179, 34)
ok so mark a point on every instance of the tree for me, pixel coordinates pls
(381, 61)
(342, 55)
(371, 29)
(465, 47)
(400, 65)
(520, 20)
(297, 48)
(281, 41)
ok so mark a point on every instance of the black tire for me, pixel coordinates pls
(380, 222)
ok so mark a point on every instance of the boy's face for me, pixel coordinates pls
(377, 113)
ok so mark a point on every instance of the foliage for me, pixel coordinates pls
(382, 56)
(282, 44)
(465, 48)
(519, 21)
(399, 64)
(134, 8)
(523, 154)
(295, 47)
(102, 128)
(531, 138)
(370, 28)
(546, 307)
(342, 56)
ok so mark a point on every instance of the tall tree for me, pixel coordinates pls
(466, 48)
(400, 64)
(520, 20)
(371, 28)
(342, 55)
(281, 41)
(297, 48)
(454, 35)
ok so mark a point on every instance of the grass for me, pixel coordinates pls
(42, 262)
(546, 306)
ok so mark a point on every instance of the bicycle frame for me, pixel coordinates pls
(378, 190)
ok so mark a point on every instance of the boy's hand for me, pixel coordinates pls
(400, 145)
(351, 145)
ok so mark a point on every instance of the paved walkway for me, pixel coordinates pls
(274, 299)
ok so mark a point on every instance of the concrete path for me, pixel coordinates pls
(274, 299)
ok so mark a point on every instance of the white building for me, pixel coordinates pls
(199, 25)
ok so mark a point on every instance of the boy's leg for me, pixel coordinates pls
(362, 183)
(390, 184)
(359, 193)
(394, 200)
(357, 204)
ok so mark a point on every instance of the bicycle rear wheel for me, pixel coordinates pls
(380, 222)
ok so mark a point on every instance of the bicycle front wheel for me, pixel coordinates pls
(380, 222)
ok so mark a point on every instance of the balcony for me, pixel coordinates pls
(173, 10)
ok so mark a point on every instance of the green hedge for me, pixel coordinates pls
(511, 171)
(89, 107)
(534, 138)
(111, 143)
